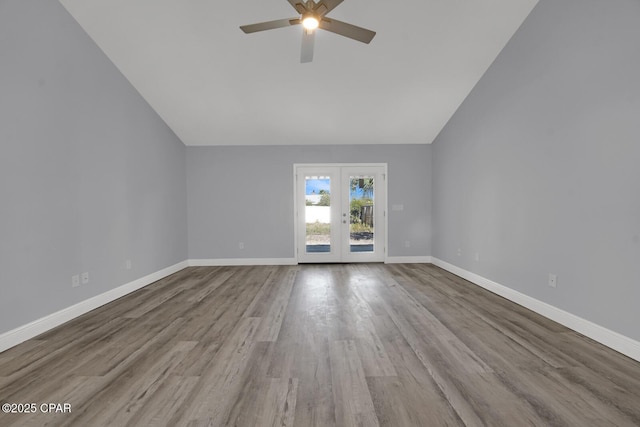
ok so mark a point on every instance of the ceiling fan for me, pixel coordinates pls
(313, 16)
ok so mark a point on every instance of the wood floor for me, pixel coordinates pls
(333, 345)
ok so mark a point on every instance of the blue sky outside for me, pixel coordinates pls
(313, 186)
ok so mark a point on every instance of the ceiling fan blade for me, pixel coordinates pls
(298, 5)
(306, 53)
(270, 25)
(325, 6)
(347, 30)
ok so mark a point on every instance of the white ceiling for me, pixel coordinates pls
(215, 85)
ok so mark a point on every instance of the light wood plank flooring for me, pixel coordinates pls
(318, 345)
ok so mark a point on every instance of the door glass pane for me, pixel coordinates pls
(317, 213)
(361, 223)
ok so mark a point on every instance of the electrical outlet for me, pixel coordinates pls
(407, 244)
(553, 280)
(127, 264)
(477, 256)
(241, 245)
(459, 252)
(75, 280)
(85, 278)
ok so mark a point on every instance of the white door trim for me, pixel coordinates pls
(384, 203)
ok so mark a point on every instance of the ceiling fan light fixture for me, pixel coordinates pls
(310, 22)
(311, 15)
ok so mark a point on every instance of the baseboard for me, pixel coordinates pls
(241, 261)
(292, 261)
(408, 260)
(37, 327)
(611, 339)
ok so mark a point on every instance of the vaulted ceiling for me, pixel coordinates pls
(214, 85)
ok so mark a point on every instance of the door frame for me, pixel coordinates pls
(385, 202)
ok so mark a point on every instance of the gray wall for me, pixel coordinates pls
(89, 175)
(245, 194)
(539, 170)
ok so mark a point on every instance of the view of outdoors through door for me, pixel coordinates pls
(361, 223)
(318, 213)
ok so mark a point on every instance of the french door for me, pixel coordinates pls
(340, 213)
